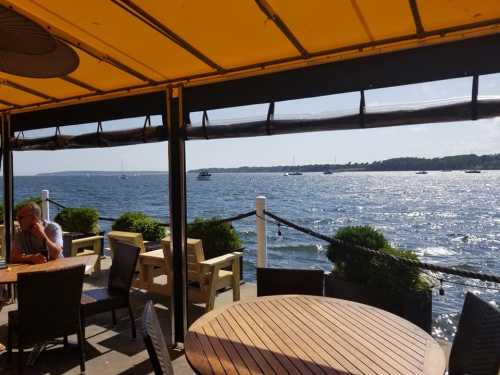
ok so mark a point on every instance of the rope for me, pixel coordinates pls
(55, 203)
(226, 220)
(376, 253)
(237, 217)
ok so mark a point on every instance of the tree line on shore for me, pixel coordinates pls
(457, 162)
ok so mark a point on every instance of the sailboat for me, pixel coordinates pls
(328, 170)
(293, 173)
(123, 176)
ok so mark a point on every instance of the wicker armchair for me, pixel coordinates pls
(53, 299)
(273, 281)
(476, 347)
(155, 342)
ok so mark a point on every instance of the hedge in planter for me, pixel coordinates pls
(139, 222)
(381, 282)
(217, 238)
(78, 219)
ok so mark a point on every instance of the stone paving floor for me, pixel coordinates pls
(111, 350)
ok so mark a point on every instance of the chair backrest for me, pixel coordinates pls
(273, 281)
(123, 266)
(476, 347)
(49, 302)
(131, 238)
(195, 256)
(155, 342)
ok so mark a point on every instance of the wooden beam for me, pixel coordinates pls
(272, 15)
(26, 89)
(416, 18)
(155, 24)
(81, 84)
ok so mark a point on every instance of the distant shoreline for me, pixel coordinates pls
(408, 164)
(100, 173)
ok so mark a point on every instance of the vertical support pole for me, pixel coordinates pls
(45, 205)
(475, 90)
(173, 116)
(8, 196)
(260, 206)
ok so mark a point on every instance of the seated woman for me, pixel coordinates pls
(38, 240)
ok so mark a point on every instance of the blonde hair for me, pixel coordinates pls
(35, 209)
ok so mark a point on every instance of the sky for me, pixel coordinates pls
(360, 145)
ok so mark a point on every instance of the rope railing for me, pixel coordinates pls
(431, 267)
(368, 251)
(111, 219)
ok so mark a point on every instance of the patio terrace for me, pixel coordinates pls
(110, 350)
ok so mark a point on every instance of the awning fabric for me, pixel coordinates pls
(130, 47)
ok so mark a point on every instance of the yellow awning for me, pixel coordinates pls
(132, 46)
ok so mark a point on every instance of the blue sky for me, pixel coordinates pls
(366, 145)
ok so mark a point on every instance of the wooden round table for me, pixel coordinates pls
(309, 335)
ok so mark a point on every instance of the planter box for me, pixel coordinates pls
(414, 307)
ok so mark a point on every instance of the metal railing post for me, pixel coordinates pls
(260, 206)
(45, 205)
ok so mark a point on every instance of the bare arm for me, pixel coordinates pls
(50, 238)
(17, 256)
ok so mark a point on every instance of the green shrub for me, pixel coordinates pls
(356, 266)
(139, 222)
(217, 238)
(82, 219)
(37, 200)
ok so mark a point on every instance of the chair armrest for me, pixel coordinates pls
(222, 260)
(86, 240)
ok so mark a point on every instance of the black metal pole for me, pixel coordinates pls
(8, 197)
(173, 117)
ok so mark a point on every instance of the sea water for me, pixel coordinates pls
(451, 218)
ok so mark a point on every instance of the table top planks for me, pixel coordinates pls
(9, 275)
(294, 334)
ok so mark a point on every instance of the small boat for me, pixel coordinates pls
(473, 171)
(296, 173)
(204, 175)
(421, 172)
(327, 172)
(123, 176)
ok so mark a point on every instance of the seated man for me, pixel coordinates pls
(38, 240)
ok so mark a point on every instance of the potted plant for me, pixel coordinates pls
(139, 222)
(218, 238)
(78, 223)
(382, 282)
(83, 220)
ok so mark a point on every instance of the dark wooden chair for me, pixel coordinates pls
(48, 308)
(476, 347)
(273, 281)
(155, 342)
(117, 294)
